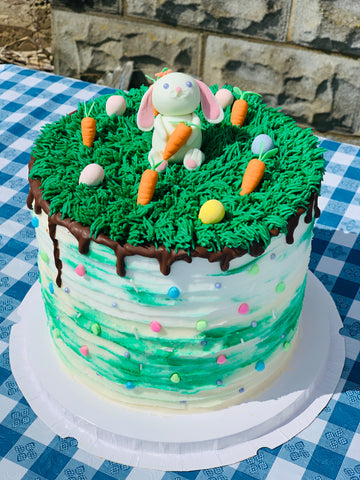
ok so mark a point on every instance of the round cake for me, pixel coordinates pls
(174, 245)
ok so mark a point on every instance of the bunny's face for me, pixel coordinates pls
(176, 94)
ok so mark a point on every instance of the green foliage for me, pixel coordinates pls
(171, 219)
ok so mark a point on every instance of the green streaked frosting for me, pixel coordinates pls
(171, 219)
(195, 364)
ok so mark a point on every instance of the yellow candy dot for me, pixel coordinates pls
(212, 211)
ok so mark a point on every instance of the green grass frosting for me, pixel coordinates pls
(171, 218)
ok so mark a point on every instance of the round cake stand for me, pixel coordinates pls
(181, 441)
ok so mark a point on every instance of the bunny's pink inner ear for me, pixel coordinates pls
(211, 109)
(145, 115)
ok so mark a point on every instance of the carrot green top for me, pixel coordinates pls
(171, 218)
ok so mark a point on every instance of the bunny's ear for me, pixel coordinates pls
(211, 109)
(145, 116)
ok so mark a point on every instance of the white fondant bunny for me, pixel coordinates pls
(176, 96)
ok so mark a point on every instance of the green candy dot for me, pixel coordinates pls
(286, 345)
(56, 333)
(44, 256)
(175, 378)
(201, 325)
(280, 287)
(254, 270)
(95, 328)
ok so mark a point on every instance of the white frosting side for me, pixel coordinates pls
(247, 316)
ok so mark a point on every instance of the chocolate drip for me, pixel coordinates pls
(313, 207)
(316, 205)
(58, 262)
(292, 224)
(29, 200)
(164, 256)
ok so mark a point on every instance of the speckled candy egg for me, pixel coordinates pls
(115, 105)
(268, 144)
(224, 97)
(92, 175)
(212, 211)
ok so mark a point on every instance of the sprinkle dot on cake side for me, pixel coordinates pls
(173, 250)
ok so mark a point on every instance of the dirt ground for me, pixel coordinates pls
(25, 33)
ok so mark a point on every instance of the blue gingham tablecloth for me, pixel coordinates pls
(328, 449)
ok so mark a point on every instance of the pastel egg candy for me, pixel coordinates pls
(224, 97)
(92, 175)
(212, 211)
(115, 105)
(267, 141)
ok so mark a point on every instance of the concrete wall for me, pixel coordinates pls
(302, 55)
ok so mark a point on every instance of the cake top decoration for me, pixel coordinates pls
(176, 96)
(255, 169)
(88, 127)
(240, 107)
(170, 221)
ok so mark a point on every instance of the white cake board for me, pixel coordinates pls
(180, 441)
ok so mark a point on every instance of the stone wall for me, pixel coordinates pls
(302, 55)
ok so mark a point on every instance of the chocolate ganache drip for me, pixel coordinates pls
(164, 256)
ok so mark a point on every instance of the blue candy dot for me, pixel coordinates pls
(67, 290)
(241, 390)
(35, 222)
(273, 256)
(174, 292)
(51, 288)
(166, 86)
(127, 354)
(189, 84)
(217, 285)
(182, 401)
(219, 382)
(129, 385)
(203, 343)
(260, 366)
(57, 317)
(254, 324)
(114, 304)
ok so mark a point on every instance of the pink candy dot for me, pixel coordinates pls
(244, 308)
(80, 270)
(155, 326)
(84, 350)
(221, 359)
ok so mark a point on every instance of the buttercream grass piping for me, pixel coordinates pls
(171, 219)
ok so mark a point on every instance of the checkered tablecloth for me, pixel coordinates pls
(328, 449)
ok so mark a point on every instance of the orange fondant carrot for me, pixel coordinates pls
(253, 174)
(238, 112)
(177, 139)
(147, 186)
(88, 128)
(254, 171)
(88, 131)
(240, 107)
